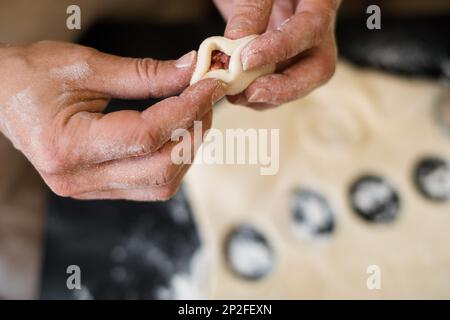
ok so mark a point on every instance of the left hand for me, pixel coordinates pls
(298, 35)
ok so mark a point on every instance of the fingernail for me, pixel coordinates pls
(219, 92)
(186, 60)
(260, 95)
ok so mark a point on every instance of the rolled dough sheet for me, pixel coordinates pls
(361, 121)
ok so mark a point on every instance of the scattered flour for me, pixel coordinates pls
(191, 285)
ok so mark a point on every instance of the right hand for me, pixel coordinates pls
(298, 35)
(51, 102)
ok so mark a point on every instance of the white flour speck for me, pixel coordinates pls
(188, 285)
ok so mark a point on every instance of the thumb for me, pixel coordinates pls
(134, 78)
(248, 17)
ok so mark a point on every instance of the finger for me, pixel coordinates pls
(92, 138)
(133, 78)
(243, 101)
(304, 30)
(248, 17)
(153, 171)
(162, 193)
(225, 7)
(313, 70)
(281, 11)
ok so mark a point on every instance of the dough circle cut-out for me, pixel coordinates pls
(235, 77)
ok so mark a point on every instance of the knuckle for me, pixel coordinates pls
(72, 53)
(149, 143)
(288, 51)
(85, 53)
(145, 139)
(16, 60)
(147, 70)
(286, 45)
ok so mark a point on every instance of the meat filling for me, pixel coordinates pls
(219, 60)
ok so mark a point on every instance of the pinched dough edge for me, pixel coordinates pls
(235, 77)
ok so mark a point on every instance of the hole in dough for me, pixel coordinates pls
(374, 199)
(432, 178)
(249, 253)
(312, 214)
(219, 60)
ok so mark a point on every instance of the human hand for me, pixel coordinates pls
(298, 35)
(51, 102)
